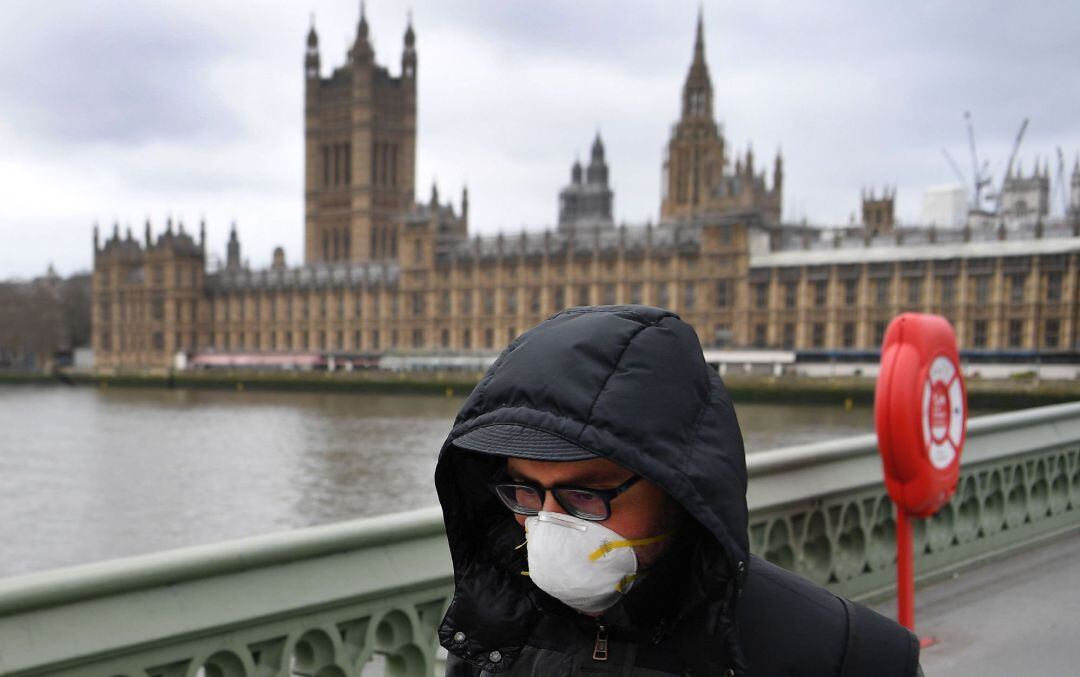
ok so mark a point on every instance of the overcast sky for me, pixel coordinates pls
(126, 109)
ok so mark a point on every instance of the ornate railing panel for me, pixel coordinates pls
(821, 509)
(364, 597)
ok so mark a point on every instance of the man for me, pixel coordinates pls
(594, 492)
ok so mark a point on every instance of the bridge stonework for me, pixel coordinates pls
(365, 597)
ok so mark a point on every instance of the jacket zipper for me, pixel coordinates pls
(600, 652)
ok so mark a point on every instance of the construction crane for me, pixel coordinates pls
(980, 178)
(1008, 166)
(955, 167)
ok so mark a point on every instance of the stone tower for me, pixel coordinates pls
(696, 180)
(695, 153)
(879, 212)
(360, 151)
(587, 201)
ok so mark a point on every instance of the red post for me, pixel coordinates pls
(905, 571)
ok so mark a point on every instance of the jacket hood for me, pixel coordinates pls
(626, 383)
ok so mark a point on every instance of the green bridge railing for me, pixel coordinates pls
(364, 597)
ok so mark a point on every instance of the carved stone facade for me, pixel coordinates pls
(383, 273)
(698, 175)
(360, 152)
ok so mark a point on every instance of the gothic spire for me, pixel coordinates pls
(697, 90)
(362, 28)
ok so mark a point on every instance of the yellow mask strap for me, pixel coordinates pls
(626, 543)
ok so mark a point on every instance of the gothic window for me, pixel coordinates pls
(723, 293)
(1016, 333)
(821, 288)
(688, 295)
(849, 334)
(818, 334)
(466, 339)
(1051, 333)
(789, 335)
(662, 295)
(1053, 286)
(882, 292)
(879, 333)
(418, 338)
(348, 162)
(1016, 287)
(759, 335)
(393, 165)
(790, 291)
(914, 291)
(761, 294)
(635, 293)
(982, 289)
(583, 295)
(947, 290)
(851, 292)
(375, 163)
(326, 165)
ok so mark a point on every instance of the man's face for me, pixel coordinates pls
(641, 511)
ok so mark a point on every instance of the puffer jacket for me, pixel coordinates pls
(629, 383)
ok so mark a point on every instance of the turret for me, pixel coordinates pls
(232, 259)
(597, 173)
(697, 90)
(408, 56)
(778, 171)
(465, 204)
(95, 237)
(146, 231)
(311, 56)
(361, 51)
(575, 172)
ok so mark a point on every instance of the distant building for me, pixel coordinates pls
(359, 151)
(587, 201)
(1025, 199)
(701, 175)
(383, 273)
(879, 211)
(944, 207)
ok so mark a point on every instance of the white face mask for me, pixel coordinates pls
(583, 564)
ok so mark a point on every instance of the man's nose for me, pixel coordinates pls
(551, 504)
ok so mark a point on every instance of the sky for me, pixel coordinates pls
(113, 112)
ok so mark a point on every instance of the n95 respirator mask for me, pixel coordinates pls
(581, 563)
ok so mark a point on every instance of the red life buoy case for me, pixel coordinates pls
(920, 412)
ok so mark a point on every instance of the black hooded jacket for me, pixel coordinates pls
(629, 383)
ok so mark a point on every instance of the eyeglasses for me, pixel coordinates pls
(527, 498)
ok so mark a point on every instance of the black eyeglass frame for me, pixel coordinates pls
(605, 495)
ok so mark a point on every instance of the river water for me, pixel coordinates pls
(88, 474)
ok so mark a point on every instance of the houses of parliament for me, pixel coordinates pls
(386, 272)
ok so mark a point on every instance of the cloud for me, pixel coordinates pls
(126, 109)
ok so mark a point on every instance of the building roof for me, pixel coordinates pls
(877, 253)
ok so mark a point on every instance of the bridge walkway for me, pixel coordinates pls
(1015, 616)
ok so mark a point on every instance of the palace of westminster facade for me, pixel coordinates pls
(385, 273)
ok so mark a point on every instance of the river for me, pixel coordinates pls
(88, 474)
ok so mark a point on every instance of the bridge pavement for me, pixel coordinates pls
(1016, 616)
